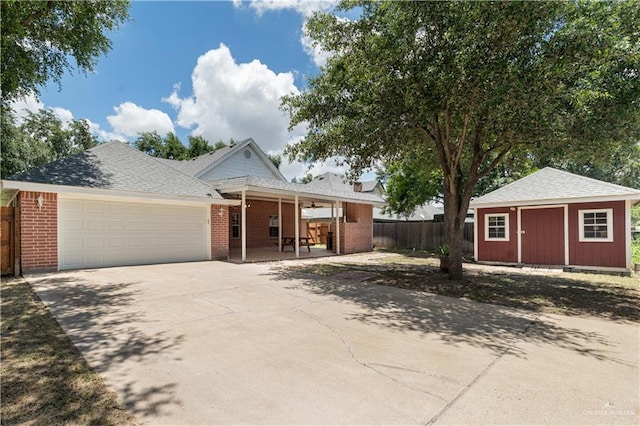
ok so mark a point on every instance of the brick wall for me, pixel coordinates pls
(38, 231)
(356, 235)
(219, 232)
(258, 214)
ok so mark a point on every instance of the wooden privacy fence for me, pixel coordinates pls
(417, 235)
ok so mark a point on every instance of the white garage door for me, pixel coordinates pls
(107, 233)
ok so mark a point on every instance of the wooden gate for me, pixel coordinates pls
(7, 235)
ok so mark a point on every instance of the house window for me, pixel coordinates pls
(274, 230)
(596, 225)
(235, 225)
(496, 227)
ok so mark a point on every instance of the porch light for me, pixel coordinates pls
(221, 211)
(40, 201)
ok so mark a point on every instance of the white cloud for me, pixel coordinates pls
(104, 135)
(63, 114)
(317, 54)
(239, 101)
(304, 7)
(131, 119)
(22, 107)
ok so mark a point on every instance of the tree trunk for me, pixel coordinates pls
(456, 203)
(454, 222)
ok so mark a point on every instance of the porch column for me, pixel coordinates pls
(279, 224)
(519, 233)
(244, 225)
(297, 236)
(338, 203)
(475, 234)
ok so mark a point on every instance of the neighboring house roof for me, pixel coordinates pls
(550, 185)
(423, 213)
(321, 213)
(420, 215)
(371, 185)
(117, 166)
(202, 166)
(257, 184)
(339, 183)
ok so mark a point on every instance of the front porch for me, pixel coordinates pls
(272, 254)
(269, 213)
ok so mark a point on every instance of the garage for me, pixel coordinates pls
(96, 233)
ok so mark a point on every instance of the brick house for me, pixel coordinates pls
(553, 217)
(113, 205)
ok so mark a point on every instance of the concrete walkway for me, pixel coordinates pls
(221, 343)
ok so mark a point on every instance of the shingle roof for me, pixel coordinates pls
(115, 165)
(369, 185)
(339, 183)
(305, 190)
(554, 185)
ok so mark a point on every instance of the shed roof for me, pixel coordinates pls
(550, 185)
(117, 166)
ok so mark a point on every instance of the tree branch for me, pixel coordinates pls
(465, 127)
(37, 15)
(495, 162)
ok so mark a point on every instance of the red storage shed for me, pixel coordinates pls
(553, 217)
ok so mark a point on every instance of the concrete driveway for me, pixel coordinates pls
(221, 343)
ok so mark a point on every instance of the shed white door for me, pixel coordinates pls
(107, 233)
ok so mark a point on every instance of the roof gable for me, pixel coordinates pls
(550, 185)
(216, 165)
(117, 166)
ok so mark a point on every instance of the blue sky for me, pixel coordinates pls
(213, 68)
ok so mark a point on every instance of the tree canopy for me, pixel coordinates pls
(41, 138)
(170, 146)
(458, 88)
(38, 39)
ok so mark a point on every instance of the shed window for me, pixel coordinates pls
(496, 227)
(274, 230)
(596, 225)
(235, 225)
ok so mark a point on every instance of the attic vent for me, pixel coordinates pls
(247, 154)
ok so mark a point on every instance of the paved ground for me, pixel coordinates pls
(212, 343)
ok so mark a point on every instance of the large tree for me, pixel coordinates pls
(460, 86)
(38, 38)
(199, 146)
(41, 138)
(170, 146)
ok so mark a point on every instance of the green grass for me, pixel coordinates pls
(45, 380)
